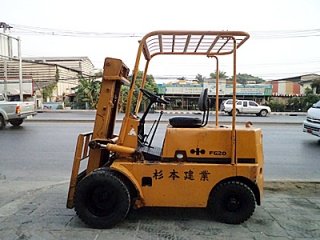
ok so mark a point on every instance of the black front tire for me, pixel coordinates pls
(16, 122)
(232, 202)
(263, 113)
(102, 199)
(2, 122)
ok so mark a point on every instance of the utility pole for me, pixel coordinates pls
(5, 27)
(5, 80)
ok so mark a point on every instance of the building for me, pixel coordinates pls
(59, 75)
(185, 94)
(293, 86)
(80, 64)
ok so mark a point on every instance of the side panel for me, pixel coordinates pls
(175, 184)
(249, 144)
(250, 161)
(200, 144)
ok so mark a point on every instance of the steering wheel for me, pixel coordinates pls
(153, 97)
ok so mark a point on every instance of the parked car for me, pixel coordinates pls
(312, 124)
(14, 112)
(245, 107)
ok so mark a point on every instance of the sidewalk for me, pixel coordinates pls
(288, 211)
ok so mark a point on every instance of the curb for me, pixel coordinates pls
(169, 112)
(161, 121)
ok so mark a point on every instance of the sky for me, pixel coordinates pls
(284, 34)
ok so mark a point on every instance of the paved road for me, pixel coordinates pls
(44, 151)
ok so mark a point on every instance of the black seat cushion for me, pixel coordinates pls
(185, 122)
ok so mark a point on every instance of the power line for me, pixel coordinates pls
(286, 34)
(31, 30)
(34, 30)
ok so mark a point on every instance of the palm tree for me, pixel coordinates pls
(200, 78)
(87, 92)
(315, 85)
(221, 75)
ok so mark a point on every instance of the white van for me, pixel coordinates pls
(312, 124)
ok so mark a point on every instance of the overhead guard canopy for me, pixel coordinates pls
(209, 43)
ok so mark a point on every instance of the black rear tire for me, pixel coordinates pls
(230, 113)
(232, 202)
(16, 122)
(102, 200)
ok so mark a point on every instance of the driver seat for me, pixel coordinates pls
(188, 122)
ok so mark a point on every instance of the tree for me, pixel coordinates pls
(87, 92)
(150, 85)
(315, 85)
(309, 99)
(244, 78)
(47, 91)
(221, 75)
(200, 78)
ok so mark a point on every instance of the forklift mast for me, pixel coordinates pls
(115, 74)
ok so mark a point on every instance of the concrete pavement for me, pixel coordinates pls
(289, 211)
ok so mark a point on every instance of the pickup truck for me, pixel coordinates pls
(245, 106)
(14, 112)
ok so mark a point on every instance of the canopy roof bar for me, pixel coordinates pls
(160, 43)
(213, 44)
(208, 43)
(200, 40)
(173, 42)
(224, 44)
(187, 43)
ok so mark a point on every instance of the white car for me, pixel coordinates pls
(245, 106)
(312, 124)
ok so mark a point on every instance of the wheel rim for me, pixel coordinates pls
(233, 204)
(102, 201)
(263, 113)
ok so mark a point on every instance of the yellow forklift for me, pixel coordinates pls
(199, 165)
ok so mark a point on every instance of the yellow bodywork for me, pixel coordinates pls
(188, 182)
(174, 184)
